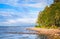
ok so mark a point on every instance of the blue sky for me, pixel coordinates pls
(20, 12)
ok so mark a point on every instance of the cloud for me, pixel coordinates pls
(19, 22)
(14, 14)
(36, 5)
(5, 14)
(18, 12)
(17, 18)
(27, 3)
(22, 20)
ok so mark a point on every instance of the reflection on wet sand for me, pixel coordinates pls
(53, 37)
(48, 36)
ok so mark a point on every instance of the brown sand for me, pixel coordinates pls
(45, 31)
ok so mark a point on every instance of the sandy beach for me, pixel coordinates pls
(45, 31)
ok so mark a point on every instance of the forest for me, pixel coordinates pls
(49, 17)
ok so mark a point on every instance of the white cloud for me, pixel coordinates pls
(29, 18)
(16, 17)
(11, 21)
(22, 20)
(4, 13)
(14, 14)
(19, 21)
(37, 4)
(11, 14)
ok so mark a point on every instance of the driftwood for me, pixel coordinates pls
(45, 31)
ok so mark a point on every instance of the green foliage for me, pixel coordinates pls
(50, 16)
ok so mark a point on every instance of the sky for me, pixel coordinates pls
(21, 12)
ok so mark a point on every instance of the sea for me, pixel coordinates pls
(5, 35)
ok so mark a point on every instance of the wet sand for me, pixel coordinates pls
(45, 31)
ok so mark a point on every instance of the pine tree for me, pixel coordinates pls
(50, 16)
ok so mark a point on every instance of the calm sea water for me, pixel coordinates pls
(4, 35)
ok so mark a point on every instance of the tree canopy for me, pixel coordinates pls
(50, 16)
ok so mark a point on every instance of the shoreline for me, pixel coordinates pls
(45, 31)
